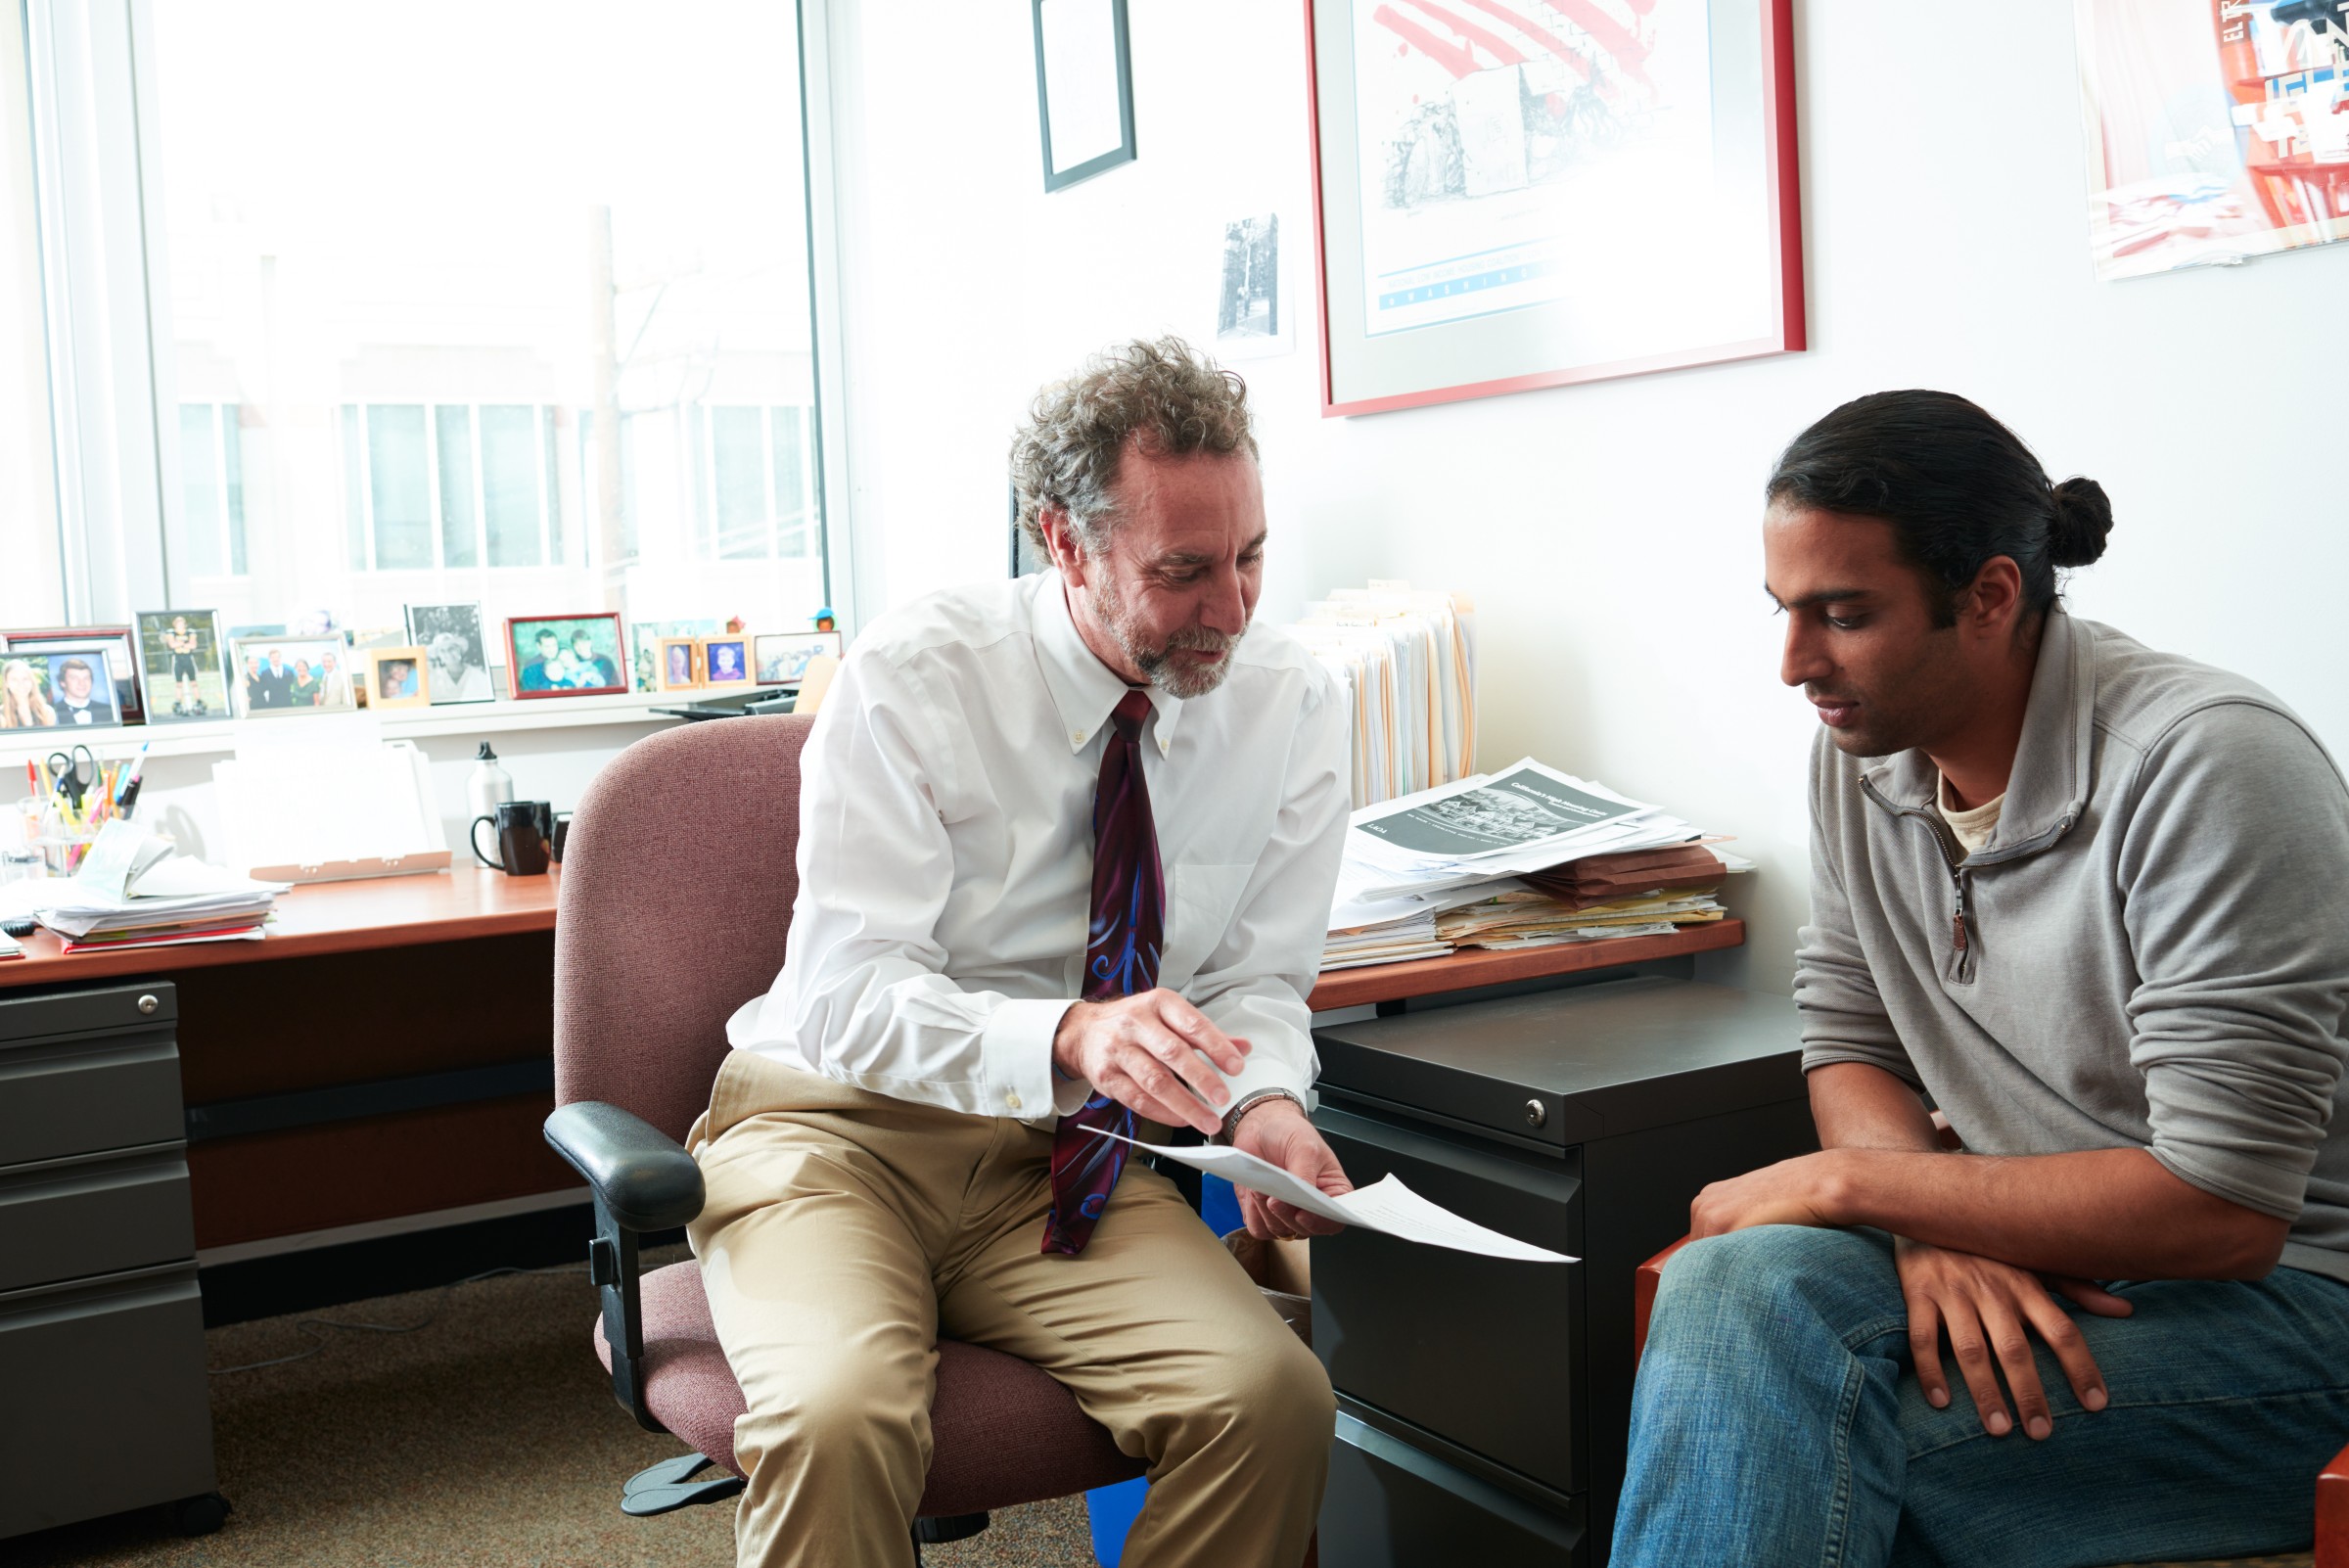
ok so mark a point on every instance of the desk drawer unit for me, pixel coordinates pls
(94, 1214)
(107, 1406)
(83, 1071)
(1482, 1404)
(1486, 1351)
(102, 1352)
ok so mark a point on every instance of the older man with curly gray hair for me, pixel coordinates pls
(1065, 851)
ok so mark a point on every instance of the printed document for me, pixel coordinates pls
(1385, 1206)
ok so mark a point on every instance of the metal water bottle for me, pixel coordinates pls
(489, 785)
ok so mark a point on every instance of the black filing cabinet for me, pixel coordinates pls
(1484, 1403)
(101, 1358)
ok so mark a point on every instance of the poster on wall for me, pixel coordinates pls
(1512, 194)
(2218, 130)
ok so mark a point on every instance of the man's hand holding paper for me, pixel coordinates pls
(1386, 1206)
(1164, 1060)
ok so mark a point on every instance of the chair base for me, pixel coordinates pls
(948, 1527)
(669, 1486)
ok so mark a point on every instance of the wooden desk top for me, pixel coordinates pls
(328, 917)
(325, 918)
(1483, 966)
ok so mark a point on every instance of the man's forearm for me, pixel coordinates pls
(2103, 1214)
(1856, 1106)
(2100, 1214)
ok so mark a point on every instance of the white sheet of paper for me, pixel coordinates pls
(1385, 1206)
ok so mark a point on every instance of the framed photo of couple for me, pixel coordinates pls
(69, 677)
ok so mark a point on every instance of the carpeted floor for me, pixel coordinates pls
(487, 1437)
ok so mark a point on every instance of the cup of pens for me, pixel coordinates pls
(62, 852)
(78, 797)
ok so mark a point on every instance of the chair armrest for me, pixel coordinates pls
(1645, 1280)
(639, 1174)
(2332, 1514)
(642, 1180)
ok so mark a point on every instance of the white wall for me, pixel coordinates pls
(1607, 533)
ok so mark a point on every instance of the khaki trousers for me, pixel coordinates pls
(845, 1231)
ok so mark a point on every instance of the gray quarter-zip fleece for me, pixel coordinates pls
(2152, 952)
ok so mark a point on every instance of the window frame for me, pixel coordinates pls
(106, 309)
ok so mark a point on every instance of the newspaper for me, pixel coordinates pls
(1521, 808)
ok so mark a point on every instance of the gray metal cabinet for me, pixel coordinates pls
(1482, 1404)
(101, 1326)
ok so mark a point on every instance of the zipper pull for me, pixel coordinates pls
(1958, 929)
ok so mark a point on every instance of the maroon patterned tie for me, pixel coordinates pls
(1120, 958)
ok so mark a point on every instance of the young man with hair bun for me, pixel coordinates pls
(2091, 901)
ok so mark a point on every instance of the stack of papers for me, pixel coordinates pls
(1522, 857)
(132, 891)
(1406, 665)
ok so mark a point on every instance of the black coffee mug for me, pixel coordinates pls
(562, 832)
(521, 846)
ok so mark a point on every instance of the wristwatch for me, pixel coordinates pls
(1249, 1102)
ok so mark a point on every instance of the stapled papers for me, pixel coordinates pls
(1386, 1206)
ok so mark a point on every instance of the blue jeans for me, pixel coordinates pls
(1777, 1420)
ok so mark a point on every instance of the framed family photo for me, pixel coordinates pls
(782, 655)
(1548, 192)
(565, 656)
(184, 659)
(456, 654)
(276, 678)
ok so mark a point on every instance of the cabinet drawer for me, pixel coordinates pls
(106, 1404)
(95, 1213)
(1391, 1505)
(1485, 1353)
(78, 1096)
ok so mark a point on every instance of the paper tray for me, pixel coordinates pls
(397, 865)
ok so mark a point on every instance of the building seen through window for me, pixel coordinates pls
(524, 322)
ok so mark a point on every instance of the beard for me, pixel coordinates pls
(1176, 678)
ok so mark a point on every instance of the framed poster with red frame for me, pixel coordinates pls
(1512, 194)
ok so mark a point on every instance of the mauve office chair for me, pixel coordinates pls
(678, 877)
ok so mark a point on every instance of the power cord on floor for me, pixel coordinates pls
(310, 1326)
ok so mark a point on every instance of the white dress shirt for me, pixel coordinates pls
(947, 849)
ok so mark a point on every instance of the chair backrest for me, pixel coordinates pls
(678, 879)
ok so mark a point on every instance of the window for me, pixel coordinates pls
(760, 504)
(32, 583)
(402, 290)
(211, 502)
(419, 499)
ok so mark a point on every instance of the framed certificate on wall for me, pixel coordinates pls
(1512, 194)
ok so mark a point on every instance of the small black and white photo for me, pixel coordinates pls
(1251, 322)
(451, 636)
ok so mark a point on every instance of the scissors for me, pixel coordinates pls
(74, 774)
